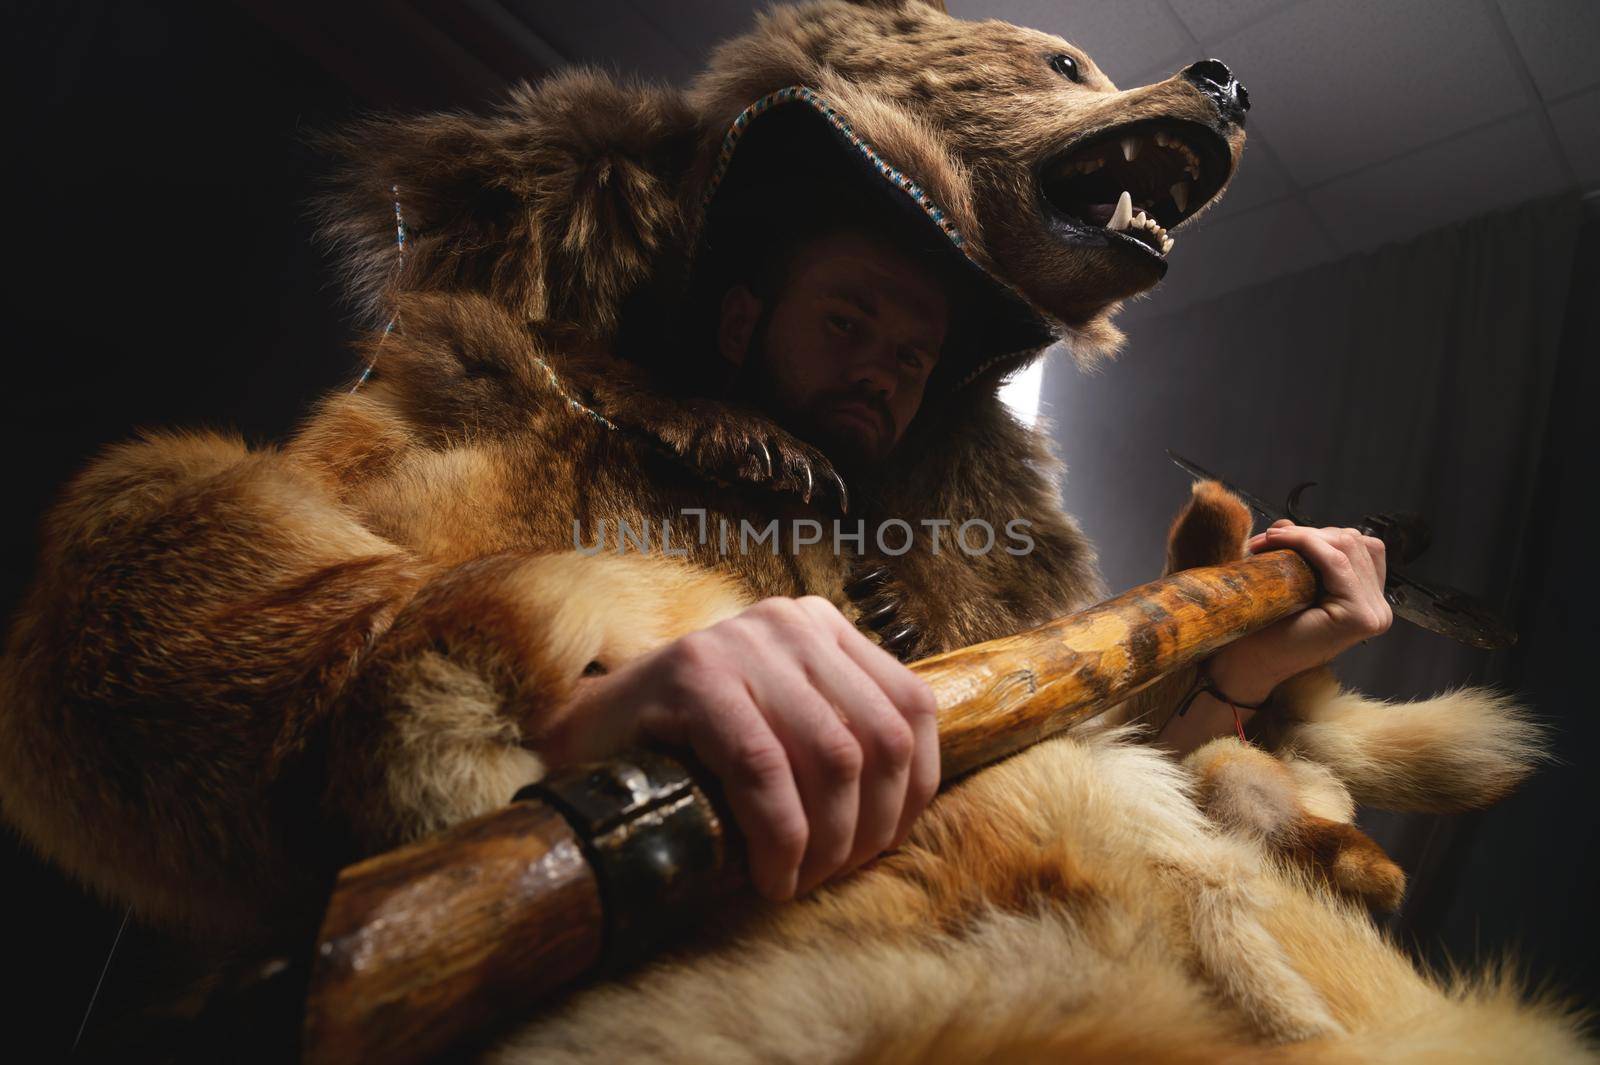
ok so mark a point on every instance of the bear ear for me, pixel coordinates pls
(555, 204)
(901, 5)
(397, 185)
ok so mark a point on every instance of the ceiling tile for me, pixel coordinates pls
(1340, 84)
(1123, 37)
(1160, 72)
(1211, 20)
(1224, 254)
(1577, 122)
(1506, 163)
(1558, 40)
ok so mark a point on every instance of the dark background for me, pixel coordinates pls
(163, 274)
(1452, 375)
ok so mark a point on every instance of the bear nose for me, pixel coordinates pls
(1213, 78)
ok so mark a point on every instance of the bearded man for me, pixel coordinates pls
(239, 669)
(826, 745)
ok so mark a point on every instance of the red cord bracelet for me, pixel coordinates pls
(1204, 683)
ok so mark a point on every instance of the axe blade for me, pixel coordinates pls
(1266, 510)
(1448, 612)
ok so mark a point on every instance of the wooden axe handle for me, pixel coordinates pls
(433, 941)
(999, 697)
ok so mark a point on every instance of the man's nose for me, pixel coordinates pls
(877, 371)
(1212, 77)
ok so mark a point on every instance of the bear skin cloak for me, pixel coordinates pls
(239, 668)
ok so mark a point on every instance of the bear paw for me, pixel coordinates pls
(726, 442)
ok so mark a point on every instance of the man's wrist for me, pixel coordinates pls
(1243, 677)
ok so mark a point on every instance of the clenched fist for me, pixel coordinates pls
(1351, 567)
(826, 746)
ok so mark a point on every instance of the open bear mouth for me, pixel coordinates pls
(1135, 183)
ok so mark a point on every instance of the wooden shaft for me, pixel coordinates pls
(999, 697)
(427, 943)
(431, 942)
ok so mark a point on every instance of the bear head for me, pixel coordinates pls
(1056, 191)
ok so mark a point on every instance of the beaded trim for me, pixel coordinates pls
(730, 142)
(573, 404)
(840, 123)
(394, 320)
(918, 194)
(399, 264)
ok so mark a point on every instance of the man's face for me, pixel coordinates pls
(842, 354)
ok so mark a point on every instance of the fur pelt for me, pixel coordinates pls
(1093, 900)
(1073, 903)
(239, 668)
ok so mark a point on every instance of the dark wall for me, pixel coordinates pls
(166, 274)
(162, 274)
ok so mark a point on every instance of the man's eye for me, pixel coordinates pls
(910, 358)
(841, 325)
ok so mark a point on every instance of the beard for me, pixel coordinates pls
(756, 383)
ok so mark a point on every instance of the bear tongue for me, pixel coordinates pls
(1110, 215)
(1098, 213)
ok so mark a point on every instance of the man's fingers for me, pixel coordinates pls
(1370, 613)
(786, 650)
(908, 692)
(911, 700)
(827, 747)
(1350, 541)
(828, 762)
(887, 746)
(922, 781)
(1352, 574)
(1380, 557)
(734, 741)
(1337, 571)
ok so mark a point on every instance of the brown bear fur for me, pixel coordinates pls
(239, 668)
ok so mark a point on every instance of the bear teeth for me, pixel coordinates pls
(1130, 147)
(1125, 220)
(1123, 214)
(1152, 173)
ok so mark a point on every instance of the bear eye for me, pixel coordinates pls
(1066, 66)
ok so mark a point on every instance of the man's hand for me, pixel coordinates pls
(1352, 609)
(826, 746)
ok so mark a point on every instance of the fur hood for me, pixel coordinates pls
(580, 206)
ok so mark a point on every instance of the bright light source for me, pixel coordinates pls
(1021, 392)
